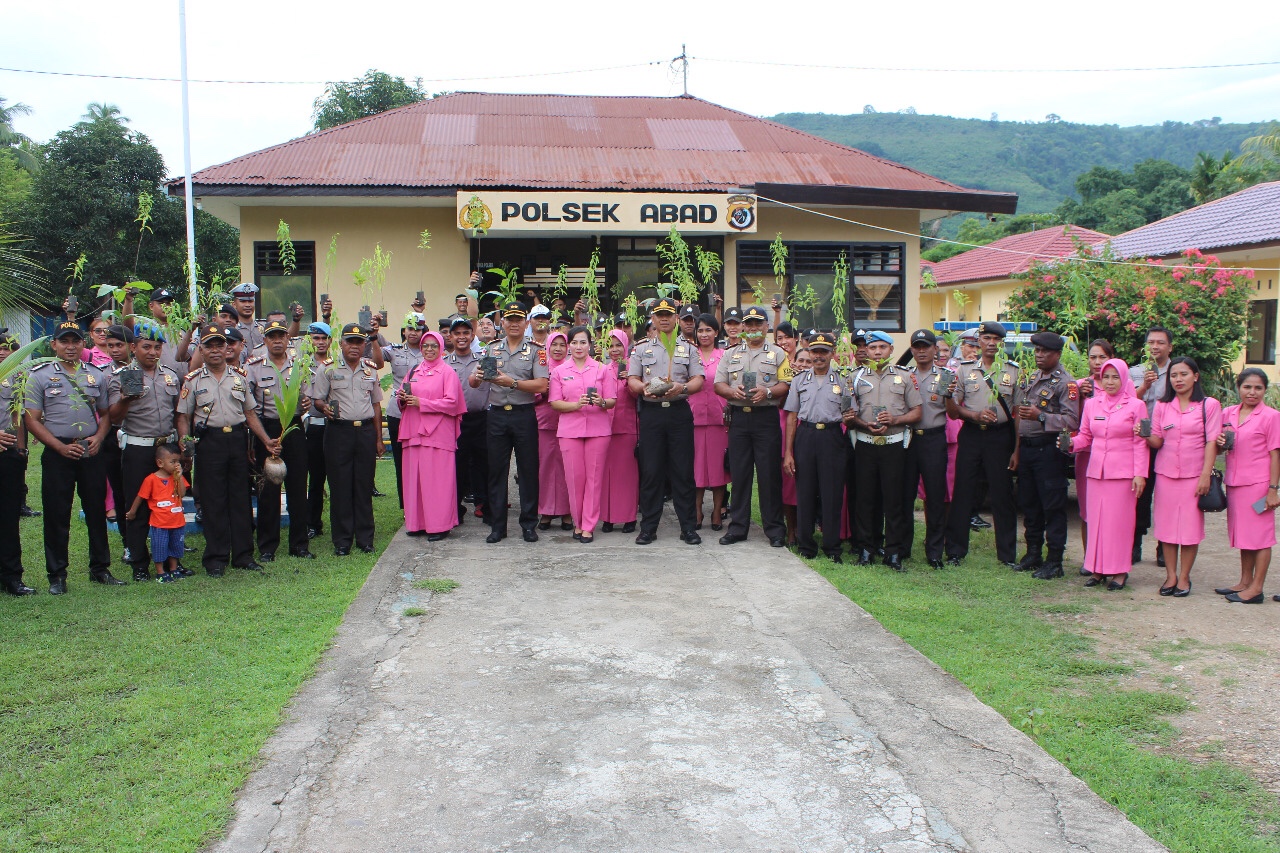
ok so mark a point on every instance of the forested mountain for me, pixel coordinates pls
(1038, 161)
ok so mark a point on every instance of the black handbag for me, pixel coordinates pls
(1215, 500)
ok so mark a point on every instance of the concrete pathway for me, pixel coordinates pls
(606, 697)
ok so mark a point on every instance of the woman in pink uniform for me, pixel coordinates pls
(1099, 352)
(431, 410)
(1118, 466)
(621, 486)
(710, 435)
(1252, 475)
(583, 391)
(553, 494)
(1184, 428)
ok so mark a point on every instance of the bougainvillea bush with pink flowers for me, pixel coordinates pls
(1204, 304)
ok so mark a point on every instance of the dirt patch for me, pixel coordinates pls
(1223, 658)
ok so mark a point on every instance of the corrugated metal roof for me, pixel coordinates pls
(1245, 218)
(565, 142)
(1012, 255)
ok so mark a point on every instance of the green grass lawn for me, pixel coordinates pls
(132, 714)
(994, 630)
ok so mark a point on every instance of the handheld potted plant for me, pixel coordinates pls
(287, 398)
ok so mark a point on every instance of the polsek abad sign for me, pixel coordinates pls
(590, 213)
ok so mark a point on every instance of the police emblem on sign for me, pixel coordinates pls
(741, 214)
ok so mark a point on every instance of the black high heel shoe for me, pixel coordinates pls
(1182, 593)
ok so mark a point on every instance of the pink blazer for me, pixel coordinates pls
(1182, 454)
(1115, 452)
(570, 383)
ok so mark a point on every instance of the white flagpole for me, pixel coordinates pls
(186, 161)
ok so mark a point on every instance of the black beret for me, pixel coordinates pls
(1049, 341)
(991, 327)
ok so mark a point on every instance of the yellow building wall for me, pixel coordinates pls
(1266, 285)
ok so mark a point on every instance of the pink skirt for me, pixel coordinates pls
(709, 446)
(1175, 516)
(430, 490)
(1246, 529)
(1109, 548)
(621, 487)
(1082, 479)
(553, 494)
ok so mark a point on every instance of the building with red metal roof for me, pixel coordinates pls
(554, 177)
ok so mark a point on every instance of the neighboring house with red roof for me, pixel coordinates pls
(1242, 230)
(554, 177)
(985, 276)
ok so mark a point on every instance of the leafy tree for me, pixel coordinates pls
(85, 200)
(1113, 201)
(13, 143)
(15, 183)
(979, 232)
(375, 92)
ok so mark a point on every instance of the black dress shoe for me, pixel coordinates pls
(645, 538)
(977, 522)
(954, 561)
(1275, 598)
(1048, 571)
(936, 564)
(894, 561)
(1112, 586)
(341, 552)
(544, 525)
(778, 542)
(19, 589)
(377, 494)
(433, 537)
(835, 558)
(691, 537)
(1029, 563)
(1095, 581)
(105, 578)
(1182, 593)
(531, 535)
(586, 538)
(58, 587)
(1136, 556)
(267, 556)
(250, 566)
(731, 539)
(301, 553)
(415, 533)
(312, 532)
(566, 525)
(495, 536)
(865, 558)
(365, 549)
(1235, 598)
(28, 512)
(607, 527)
(141, 575)
(1170, 590)
(216, 572)
(629, 527)
(1010, 564)
(1226, 590)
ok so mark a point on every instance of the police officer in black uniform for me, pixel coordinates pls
(216, 409)
(66, 407)
(13, 470)
(815, 448)
(666, 426)
(1048, 403)
(927, 453)
(145, 420)
(521, 372)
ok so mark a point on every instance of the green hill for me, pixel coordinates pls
(1038, 161)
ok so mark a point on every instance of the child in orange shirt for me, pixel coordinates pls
(163, 491)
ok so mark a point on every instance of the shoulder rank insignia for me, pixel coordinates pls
(239, 370)
(368, 362)
(542, 357)
(257, 359)
(192, 375)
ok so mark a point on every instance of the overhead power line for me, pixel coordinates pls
(983, 70)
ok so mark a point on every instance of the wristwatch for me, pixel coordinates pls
(768, 393)
(1040, 417)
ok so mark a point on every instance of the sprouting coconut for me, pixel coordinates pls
(288, 400)
(658, 386)
(274, 470)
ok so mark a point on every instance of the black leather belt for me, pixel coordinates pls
(662, 404)
(509, 407)
(930, 430)
(989, 427)
(757, 408)
(1039, 440)
(820, 424)
(359, 423)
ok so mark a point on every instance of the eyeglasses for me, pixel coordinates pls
(97, 331)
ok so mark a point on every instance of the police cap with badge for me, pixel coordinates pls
(689, 311)
(275, 326)
(163, 295)
(923, 336)
(663, 306)
(70, 327)
(210, 333)
(754, 312)
(733, 315)
(821, 340)
(245, 290)
(354, 331)
(513, 310)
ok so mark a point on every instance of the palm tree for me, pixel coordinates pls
(104, 112)
(17, 143)
(1263, 149)
(22, 281)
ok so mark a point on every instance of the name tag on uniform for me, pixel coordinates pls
(176, 509)
(164, 503)
(1169, 426)
(1099, 417)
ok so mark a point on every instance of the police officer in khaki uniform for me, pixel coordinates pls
(983, 399)
(216, 409)
(265, 376)
(755, 433)
(145, 420)
(403, 358)
(927, 452)
(666, 425)
(66, 407)
(815, 448)
(13, 469)
(348, 393)
(1048, 403)
(245, 296)
(117, 343)
(472, 459)
(521, 372)
(316, 469)
(887, 406)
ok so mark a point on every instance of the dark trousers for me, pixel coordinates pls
(1143, 519)
(1042, 496)
(927, 459)
(136, 464)
(111, 462)
(987, 451)
(351, 455)
(666, 450)
(512, 430)
(857, 498)
(472, 459)
(60, 480)
(222, 464)
(316, 470)
(397, 455)
(294, 454)
(755, 452)
(819, 455)
(882, 470)
(12, 471)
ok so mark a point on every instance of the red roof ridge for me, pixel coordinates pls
(1013, 254)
